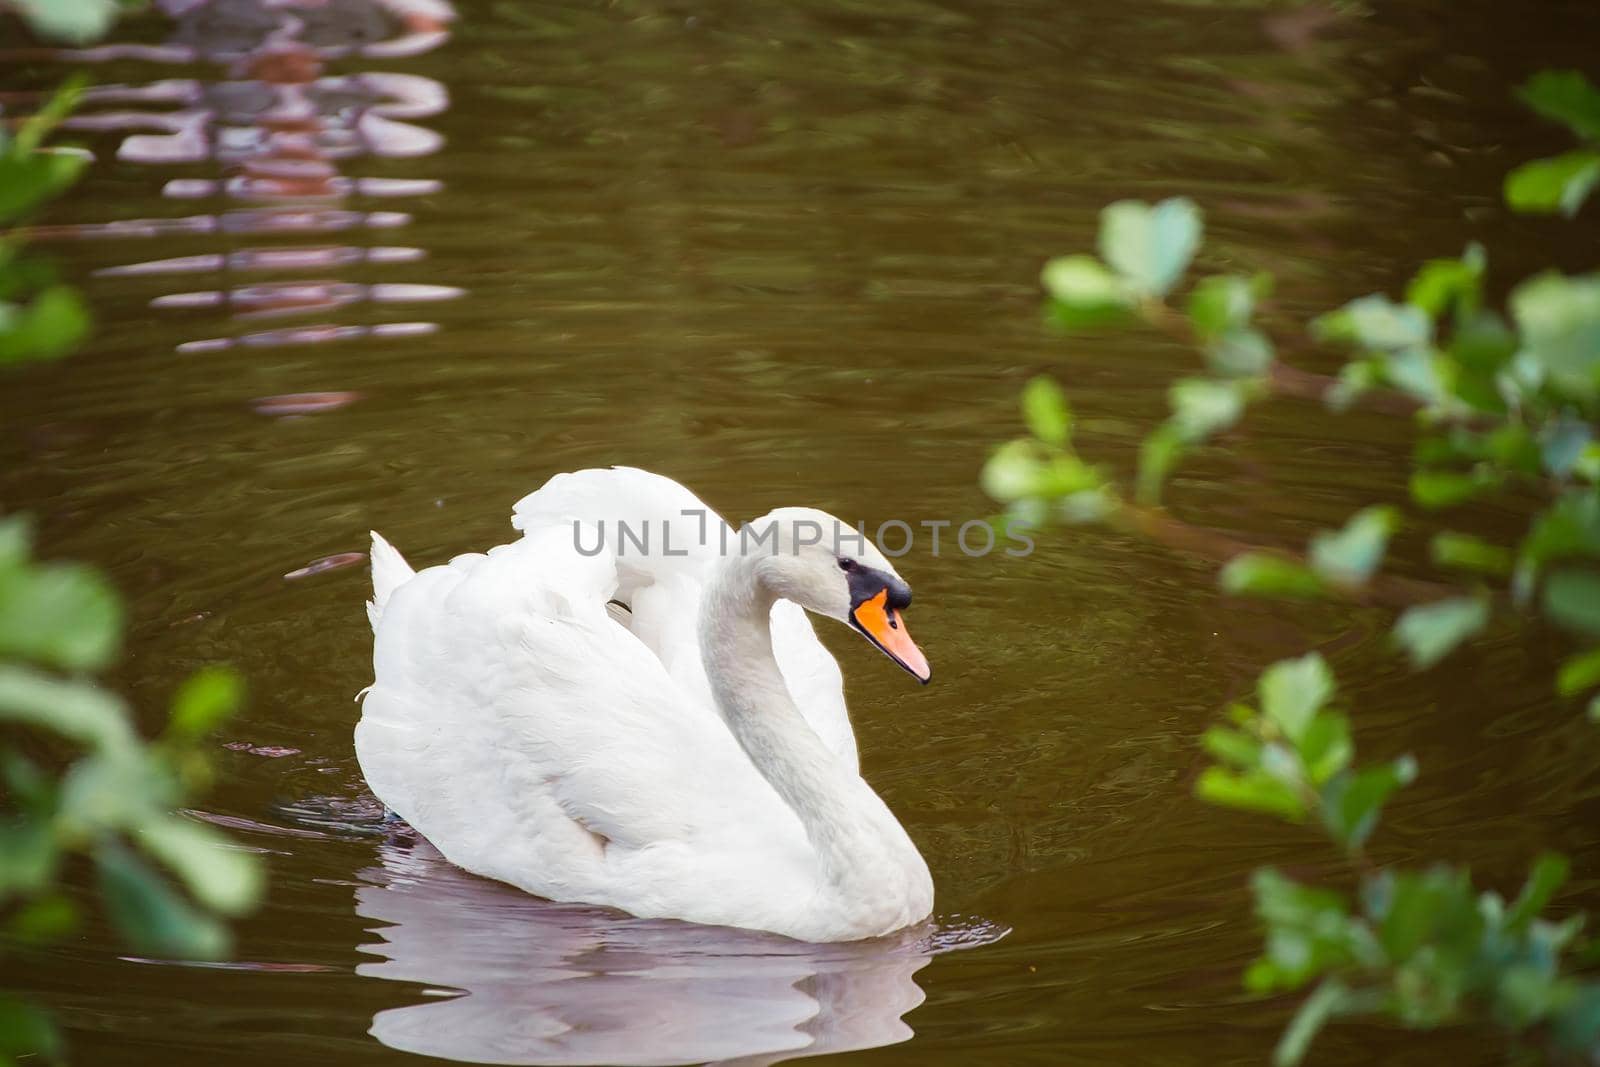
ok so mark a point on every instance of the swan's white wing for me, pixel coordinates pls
(534, 740)
(662, 584)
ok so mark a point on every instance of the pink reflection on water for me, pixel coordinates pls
(284, 298)
(311, 404)
(310, 335)
(327, 563)
(259, 966)
(543, 983)
(246, 222)
(279, 126)
(246, 259)
(264, 751)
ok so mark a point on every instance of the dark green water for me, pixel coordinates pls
(787, 255)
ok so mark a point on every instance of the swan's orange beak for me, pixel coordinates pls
(886, 628)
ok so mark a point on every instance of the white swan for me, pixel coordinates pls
(690, 758)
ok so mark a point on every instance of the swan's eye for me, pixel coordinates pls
(847, 565)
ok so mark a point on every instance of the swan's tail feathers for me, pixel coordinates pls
(389, 572)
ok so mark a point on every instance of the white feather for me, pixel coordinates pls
(534, 738)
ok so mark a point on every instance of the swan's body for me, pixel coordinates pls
(693, 761)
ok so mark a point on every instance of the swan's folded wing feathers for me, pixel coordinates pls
(527, 735)
(664, 591)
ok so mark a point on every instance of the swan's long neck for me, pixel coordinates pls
(838, 810)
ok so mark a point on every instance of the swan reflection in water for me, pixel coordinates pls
(527, 981)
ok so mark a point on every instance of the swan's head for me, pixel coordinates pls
(828, 566)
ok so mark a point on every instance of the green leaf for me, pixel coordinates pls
(110, 791)
(75, 710)
(1293, 690)
(1568, 528)
(1249, 791)
(1576, 1026)
(1567, 97)
(1548, 874)
(63, 102)
(218, 874)
(1483, 343)
(1587, 465)
(45, 918)
(1429, 632)
(1355, 378)
(1514, 449)
(1018, 470)
(1578, 673)
(1325, 1002)
(1012, 472)
(205, 700)
(1560, 322)
(1572, 600)
(1351, 802)
(26, 181)
(16, 541)
(1443, 284)
(1240, 353)
(50, 327)
(1282, 901)
(1225, 302)
(1204, 406)
(1377, 324)
(1263, 574)
(1220, 308)
(1562, 444)
(29, 857)
(1159, 453)
(1232, 746)
(1416, 909)
(1044, 406)
(1308, 932)
(30, 788)
(153, 917)
(1085, 318)
(1437, 489)
(27, 1031)
(1351, 555)
(1526, 994)
(1325, 748)
(1558, 184)
(1468, 553)
(1422, 372)
(1083, 282)
(60, 614)
(77, 22)
(1150, 246)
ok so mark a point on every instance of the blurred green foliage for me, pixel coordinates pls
(1506, 401)
(79, 779)
(79, 788)
(40, 318)
(1563, 182)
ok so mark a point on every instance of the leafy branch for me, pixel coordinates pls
(1506, 402)
(77, 781)
(1423, 947)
